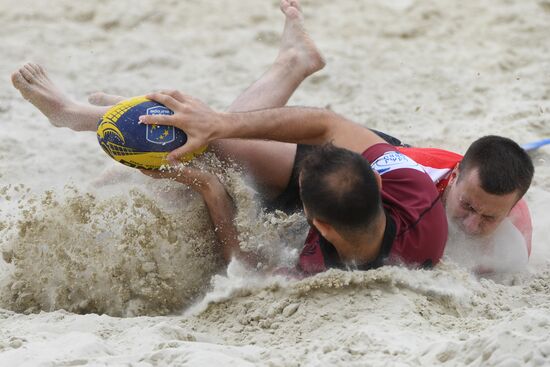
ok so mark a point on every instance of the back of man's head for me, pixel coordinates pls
(503, 166)
(340, 188)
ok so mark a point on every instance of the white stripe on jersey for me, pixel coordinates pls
(437, 174)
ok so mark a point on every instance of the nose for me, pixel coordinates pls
(472, 224)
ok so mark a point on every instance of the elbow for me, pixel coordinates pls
(329, 125)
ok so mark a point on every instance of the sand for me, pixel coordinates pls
(106, 267)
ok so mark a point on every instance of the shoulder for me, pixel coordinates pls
(520, 217)
(401, 175)
(385, 158)
(437, 163)
(434, 157)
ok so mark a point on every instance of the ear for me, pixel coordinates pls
(454, 174)
(378, 179)
(326, 229)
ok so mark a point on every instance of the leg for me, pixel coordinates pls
(297, 59)
(36, 87)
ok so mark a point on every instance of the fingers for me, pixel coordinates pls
(189, 115)
(165, 99)
(153, 173)
(169, 120)
(172, 174)
(189, 147)
(192, 177)
(174, 155)
(171, 99)
(177, 95)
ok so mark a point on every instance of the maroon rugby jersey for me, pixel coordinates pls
(416, 225)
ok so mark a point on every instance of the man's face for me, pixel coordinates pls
(349, 253)
(475, 211)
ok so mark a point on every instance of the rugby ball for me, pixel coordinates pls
(137, 145)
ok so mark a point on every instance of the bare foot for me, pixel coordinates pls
(297, 47)
(104, 99)
(36, 87)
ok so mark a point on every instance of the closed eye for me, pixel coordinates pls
(489, 218)
(467, 207)
(486, 218)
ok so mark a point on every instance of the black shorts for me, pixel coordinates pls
(289, 200)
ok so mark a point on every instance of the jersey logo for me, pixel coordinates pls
(392, 160)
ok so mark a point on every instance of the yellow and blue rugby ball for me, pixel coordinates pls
(137, 145)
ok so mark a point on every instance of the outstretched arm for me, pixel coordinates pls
(287, 124)
(301, 125)
(220, 208)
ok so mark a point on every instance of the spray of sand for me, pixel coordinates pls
(150, 250)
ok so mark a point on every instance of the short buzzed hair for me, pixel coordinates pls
(339, 187)
(503, 166)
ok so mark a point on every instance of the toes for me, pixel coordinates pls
(287, 4)
(33, 68)
(17, 80)
(96, 99)
(295, 4)
(284, 5)
(27, 74)
(38, 69)
(30, 69)
(291, 9)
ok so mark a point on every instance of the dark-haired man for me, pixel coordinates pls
(335, 205)
(482, 192)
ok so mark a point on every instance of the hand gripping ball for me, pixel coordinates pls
(137, 145)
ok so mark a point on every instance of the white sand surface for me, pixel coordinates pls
(115, 269)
